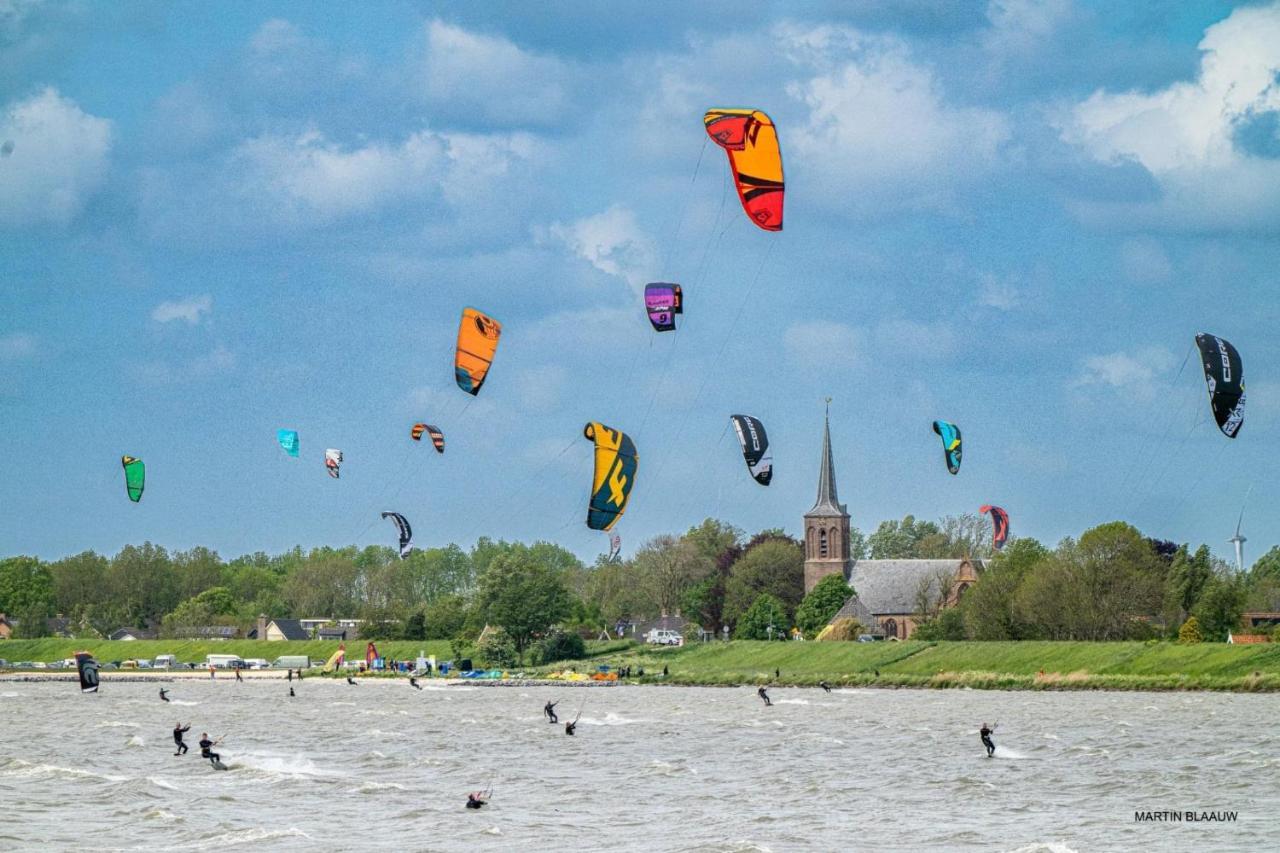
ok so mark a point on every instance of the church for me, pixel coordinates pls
(888, 594)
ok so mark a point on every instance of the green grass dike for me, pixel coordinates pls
(992, 666)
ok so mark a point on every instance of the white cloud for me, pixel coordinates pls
(18, 345)
(491, 78)
(998, 293)
(1186, 134)
(613, 243)
(879, 130)
(1136, 371)
(822, 343)
(57, 160)
(188, 310)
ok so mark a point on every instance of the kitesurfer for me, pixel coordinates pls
(763, 695)
(291, 693)
(825, 686)
(986, 739)
(477, 799)
(178, 730)
(569, 727)
(206, 748)
(351, 681)
(413, 682)
(550, 711)
(163, 698)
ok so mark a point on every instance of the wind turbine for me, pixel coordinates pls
(1239, 540)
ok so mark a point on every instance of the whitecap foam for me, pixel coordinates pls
(611, 719)
(26, 769)
(136, 740)
(373, 787)
(117, 724)
(1011, 754)
(162, 783)
(243, 836)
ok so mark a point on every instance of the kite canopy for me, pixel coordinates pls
(1224, 375)
(437, 437)
(135, 477)
(406, 532)
(755, 447)
(615, 474)
(663, 302)
(87, 669)
(332, 460)
(751, 141)
(950, 434)
(999, 525)
(288, 439)
(477, 342)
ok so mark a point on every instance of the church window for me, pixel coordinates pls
(822, 543)
(890, 627)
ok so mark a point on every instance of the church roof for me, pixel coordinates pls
(891, 586)
(855, 609)
(828, 502)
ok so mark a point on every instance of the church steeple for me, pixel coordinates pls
(828, 502)
(826, 526)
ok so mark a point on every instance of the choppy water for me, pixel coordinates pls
(381, 766)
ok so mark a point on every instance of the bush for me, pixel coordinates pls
(765, 611)
(948, 626)
(1275, 634)
(559, 645)
(841, 631)
(828, 596)
(1189, 633)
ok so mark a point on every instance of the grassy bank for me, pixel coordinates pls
(1022, 665)
(1007, 666)
(195, 650)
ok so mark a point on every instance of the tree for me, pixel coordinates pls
(141, 586)
(26, 586)
(215, 606)
(1094, 589)
(817, 608)
(195, 571)
(989, 606)
(612, 589)
(857, 544)
(1189, 633)
(415, 627)
(496, 647)
(78, 584)
(774, 566)
(523, 595)
(324, 585)
(900, 540)
(664, 566)
(947, 625)
(1185, 581)
(764, 612)
(1219, 607)
(560, 645)
(1267, 566)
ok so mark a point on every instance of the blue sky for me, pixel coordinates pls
(221, 219)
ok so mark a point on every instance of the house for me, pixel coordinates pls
(281, 629)
(59, 626)
(888, 593)
(1259, 620)
(131, 634)
(334, 634)
(6, 627)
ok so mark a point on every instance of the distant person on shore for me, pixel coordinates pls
(777, 673)
(765, 696)
(826, 687)
(211, 672)
(163, 698)
(289, 674)
(206, 748)
(413, 682)
(178, 730)
(549, 710)
(299, 673)
(986, 739)
(238, 676)
(477, 799)
(664, 671)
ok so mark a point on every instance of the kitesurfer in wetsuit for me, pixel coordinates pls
(825, 686)
(178, 729)
(291, 693)
(413, 682)
(550, 711)
(163, 698)
(986, 739)
(350, 681)
(765, 696)
(477, 799)
(206, 748)
(569, 727)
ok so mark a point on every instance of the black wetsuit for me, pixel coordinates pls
(163, 698)
(350, 680)
(206, 751)
(550, 711)
(569, 727)
(826, 687)
(986, 740)
(764, 696)
(289, 675)
(177, 739)
(474, 802)
(291, 693)
(414, 682)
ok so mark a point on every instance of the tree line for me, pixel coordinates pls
(1111, 583)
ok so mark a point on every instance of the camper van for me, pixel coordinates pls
(292, 662)
(165, 661)
(224, 661)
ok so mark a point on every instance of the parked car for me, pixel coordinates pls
(664, 637)
(3, 662)
(39, 665)
(129, 664)
(255, 663)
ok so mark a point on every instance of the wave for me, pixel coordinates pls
(163, 783)
(136, 740)
(1044, 847)
(25, 769)
(374, 787)
(610, 719)
(183, 702)
(117, 724)
(1011, 754)
(278, 765)
(255, 835)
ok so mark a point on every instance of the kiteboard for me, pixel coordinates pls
(218, 765)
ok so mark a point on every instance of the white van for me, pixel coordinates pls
(292, 662)
(165, 661)
(255, 663)
(663, 637)
(224, 661)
